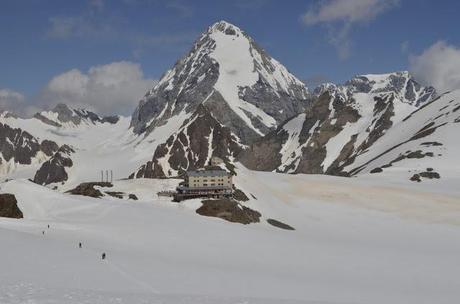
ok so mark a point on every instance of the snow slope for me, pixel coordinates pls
(98, 146)
(235, 72)
(432, 130)
(401, 246)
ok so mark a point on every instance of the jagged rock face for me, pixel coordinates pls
(344, 122)
(21, 147)
(9, 206)
(199, 139)
(401, 84)
(62, 115)
(298, 146)
(54, 169)
(243, 87)
(49, 147)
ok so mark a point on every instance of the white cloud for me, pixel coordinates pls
(107, 89)
(347, 10)
(439, 66)
(7, 95)
(15, 102)
(11, 100)
(341, 15)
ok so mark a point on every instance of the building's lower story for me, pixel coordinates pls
(184, 192)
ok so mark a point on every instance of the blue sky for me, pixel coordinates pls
(323, 40)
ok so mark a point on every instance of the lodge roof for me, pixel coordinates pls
(207, 173)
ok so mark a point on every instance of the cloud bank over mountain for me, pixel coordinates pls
(438, 65)
(107, 89)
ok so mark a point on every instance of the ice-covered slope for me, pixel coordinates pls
(401, 246)
(245, 89)
(344, 121)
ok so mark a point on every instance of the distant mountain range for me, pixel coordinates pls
(228, 98)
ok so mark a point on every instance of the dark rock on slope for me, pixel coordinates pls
(313, 129)
(9, 206)
(229, 210)
(279, 224)
(87, 189)
(198, 140)
(54, 169)
(21, 147)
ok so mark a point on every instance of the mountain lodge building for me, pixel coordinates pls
(209, 182)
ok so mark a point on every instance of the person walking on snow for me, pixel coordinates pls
(103, 256)
(79, 245)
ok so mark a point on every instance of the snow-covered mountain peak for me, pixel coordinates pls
(244, 88)
(400, 83)
(225, 27)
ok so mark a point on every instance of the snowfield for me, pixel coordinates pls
(355, 242)
(98, 147)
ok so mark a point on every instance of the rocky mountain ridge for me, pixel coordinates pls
(200, 138)
(19, 147)
(343, 122)
(245, 108)
(62, 115)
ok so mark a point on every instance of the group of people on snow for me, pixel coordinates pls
(79, 244)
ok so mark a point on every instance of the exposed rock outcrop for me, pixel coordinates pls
(87, 189)
(279, 224)
(54, 169)
(9, 206)
(198, 140)
(229, 210)
(21, 147)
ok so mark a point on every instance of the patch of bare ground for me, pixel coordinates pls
(279, 224)
(229, 210)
